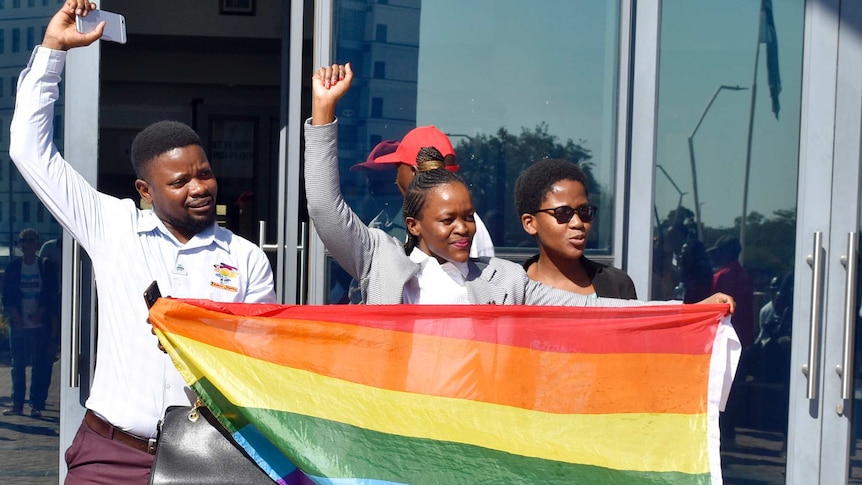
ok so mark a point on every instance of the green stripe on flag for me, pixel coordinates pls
(338, 450)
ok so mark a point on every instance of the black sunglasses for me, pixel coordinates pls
(27, 240)
(563, 214)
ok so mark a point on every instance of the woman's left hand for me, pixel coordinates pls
(720, 298)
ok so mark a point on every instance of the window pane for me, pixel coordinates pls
(713, 55)
(510, 84)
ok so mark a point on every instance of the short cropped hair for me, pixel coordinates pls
(536, 181)
(28, 233)
(159, 138)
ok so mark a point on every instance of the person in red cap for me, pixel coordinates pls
(402, 156)
(433, 266)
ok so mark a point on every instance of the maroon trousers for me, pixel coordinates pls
(94, 459)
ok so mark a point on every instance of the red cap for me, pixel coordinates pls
(419, 137)
(385, 147)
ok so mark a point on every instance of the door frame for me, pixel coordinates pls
(81, 151)
(82, 106)
(817, 139)
(816, 142)
(841, 312)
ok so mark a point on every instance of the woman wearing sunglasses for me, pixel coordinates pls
(551, 196)
(434, 267)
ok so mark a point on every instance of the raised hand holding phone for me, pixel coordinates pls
(61, 34)
(115, 25)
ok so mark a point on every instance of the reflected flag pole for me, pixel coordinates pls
(691, 156)
(765, 35)
(748, 154)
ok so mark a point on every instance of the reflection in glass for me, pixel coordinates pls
(509, 82)
(30, 441)
(727, 144)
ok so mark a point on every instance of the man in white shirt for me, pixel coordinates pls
(177, 243)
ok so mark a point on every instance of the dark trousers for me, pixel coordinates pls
(31, 346)
(94, 459)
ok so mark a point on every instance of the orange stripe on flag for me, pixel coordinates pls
(541, 380)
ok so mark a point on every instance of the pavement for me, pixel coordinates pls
(29, 447)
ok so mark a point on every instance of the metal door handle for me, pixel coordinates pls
(815, 260)
(301, 250)
(261, 237)
(851, 263)
(75, 333)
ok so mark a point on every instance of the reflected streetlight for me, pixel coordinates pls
(691, 154)
(675, 186)
(450, 135)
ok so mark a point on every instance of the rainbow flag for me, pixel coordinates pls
(480, 394)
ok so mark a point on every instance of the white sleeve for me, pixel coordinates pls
(65, 193)
(482, 245)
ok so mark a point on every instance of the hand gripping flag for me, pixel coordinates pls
(482, 394)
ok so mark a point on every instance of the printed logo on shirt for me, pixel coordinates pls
(226, 277)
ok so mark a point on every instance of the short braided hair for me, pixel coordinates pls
(429, 158)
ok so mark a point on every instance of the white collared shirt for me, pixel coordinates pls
(435, 283)
(134, 381)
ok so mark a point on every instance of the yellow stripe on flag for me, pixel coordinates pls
(650, 439)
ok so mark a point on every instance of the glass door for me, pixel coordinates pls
(763, 129)
(227, 77)
(33, 421)
(417, 64)
(833, 355)
(724, 214)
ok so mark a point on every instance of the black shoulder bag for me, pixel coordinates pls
(194, 448)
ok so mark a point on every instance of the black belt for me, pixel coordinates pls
(111, 432)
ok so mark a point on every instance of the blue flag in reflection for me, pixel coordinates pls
(768, 37)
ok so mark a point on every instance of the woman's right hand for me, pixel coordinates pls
(328, 85)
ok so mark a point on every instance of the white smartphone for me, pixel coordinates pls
(115, 25)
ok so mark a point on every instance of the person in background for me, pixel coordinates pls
(768, 358)
(732, 279)
(402, 157)
(551, 197)
(381, 190)
(31, 303)
(695, 272)
(434, 267)
(52, 249)
(767, 314)
(177, 243)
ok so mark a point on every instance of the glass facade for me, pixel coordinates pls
(14, 192)
(727, 145)
(506, 82)
(20, 209)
